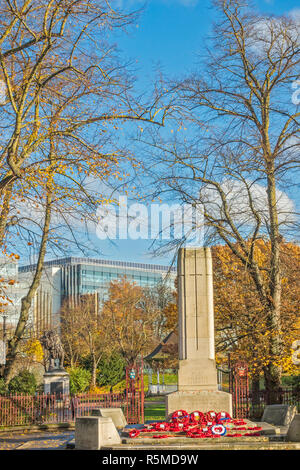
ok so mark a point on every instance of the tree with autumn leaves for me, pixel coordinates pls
(241, 322)
(125, 325)
(130, 316)
(66, 95)
(84, 334)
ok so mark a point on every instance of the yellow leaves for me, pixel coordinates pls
(242, 319)
(34, 350)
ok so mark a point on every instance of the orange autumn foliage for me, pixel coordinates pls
(240, 318)
(129, 315)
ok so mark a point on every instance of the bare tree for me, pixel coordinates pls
(235, 149)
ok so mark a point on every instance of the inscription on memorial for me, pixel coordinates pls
(56, 388)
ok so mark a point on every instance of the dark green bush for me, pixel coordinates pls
(24, 382)
(3, 387)
(292, 380)
(111, 370)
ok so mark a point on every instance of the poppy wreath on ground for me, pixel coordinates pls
(194, 430)
(180, 416)
(206, 431)
(195, 427)
(162, 426)
(211, 416)
(218, 430)
(134, 433)
(198, 435)
(238, 422)
(177, 427)
(223, 416)
(210, 423)
(197, 417)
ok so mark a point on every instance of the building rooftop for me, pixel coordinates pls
(100, 262)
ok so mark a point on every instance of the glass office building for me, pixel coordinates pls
(72, 277)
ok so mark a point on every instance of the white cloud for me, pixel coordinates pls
(237, 198)
(295, 14)
(269, 34)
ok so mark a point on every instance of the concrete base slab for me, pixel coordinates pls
(92, 433)
(280, 415)
(267, 429)
(116, 414)
(293, 434)
(209, 446)
(205, 400)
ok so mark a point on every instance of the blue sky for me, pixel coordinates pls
(169, 33)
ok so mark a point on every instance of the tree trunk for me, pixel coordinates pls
(273, 371)
(94, 371)
(255, 396)
(27, 300)
(272, 375)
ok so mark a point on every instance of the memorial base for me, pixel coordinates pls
(197, 375)
(205, 400)
(57, 381)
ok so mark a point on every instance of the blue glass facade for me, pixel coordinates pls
(85, 275)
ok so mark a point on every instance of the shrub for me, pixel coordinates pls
(96, 390)
(79, 379)
(24, 382)
(292, 380)
(111, 370)
(3, 387)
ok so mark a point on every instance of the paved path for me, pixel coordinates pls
(35, 441)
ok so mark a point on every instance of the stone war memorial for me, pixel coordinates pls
(197, 375)
(56, 379)
(198, 411)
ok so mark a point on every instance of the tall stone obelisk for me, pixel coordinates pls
(197, 375)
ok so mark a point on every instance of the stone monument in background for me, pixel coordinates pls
(197, 375)
(56, 379)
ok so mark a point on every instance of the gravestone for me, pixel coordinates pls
(280, 415)
(197, 374)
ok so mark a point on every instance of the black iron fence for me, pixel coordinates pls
(258, 400)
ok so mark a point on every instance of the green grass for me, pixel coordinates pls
(155, 412)
(154, 398)
(168, 379)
